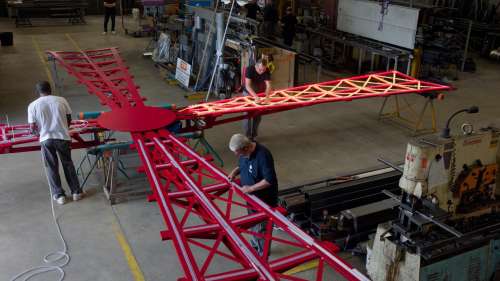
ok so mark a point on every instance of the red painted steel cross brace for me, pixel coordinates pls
(202, 210)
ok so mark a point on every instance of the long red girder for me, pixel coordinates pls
(215, 211)
(381, 84)
(18, 138)
(213, 208)
(104, 74)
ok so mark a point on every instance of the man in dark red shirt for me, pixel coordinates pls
(257, 80)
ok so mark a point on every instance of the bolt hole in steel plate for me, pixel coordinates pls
(136, 119)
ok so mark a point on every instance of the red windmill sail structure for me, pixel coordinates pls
(203, 211)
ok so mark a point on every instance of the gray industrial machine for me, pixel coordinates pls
(448, 226)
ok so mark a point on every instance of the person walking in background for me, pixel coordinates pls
(270, 15)
(49, 118)
(109, 12)
(252, 9)
(289, 22)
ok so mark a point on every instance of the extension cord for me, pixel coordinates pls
(58, 256)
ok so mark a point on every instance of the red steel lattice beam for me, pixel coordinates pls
(200, 185)
(104, 74)
(18, 138)
(380, 84)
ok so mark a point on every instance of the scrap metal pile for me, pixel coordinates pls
(337, 208)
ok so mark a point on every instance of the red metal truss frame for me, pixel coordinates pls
(104, 74)
(181, 177)
(18, 138)
(201, 208)
(381, 84)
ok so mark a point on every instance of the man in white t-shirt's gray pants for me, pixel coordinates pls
(49, 117)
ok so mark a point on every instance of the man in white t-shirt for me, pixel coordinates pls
(49, 117)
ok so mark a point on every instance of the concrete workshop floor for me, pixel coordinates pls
(309, 143)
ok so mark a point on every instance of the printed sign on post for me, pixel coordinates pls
(183, 72)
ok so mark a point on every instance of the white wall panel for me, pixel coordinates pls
(362, 18)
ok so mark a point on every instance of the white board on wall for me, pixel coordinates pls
(362, 18)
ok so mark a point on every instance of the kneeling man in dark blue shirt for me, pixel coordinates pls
(258, 177)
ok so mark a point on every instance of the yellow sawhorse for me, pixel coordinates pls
(404, 113)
